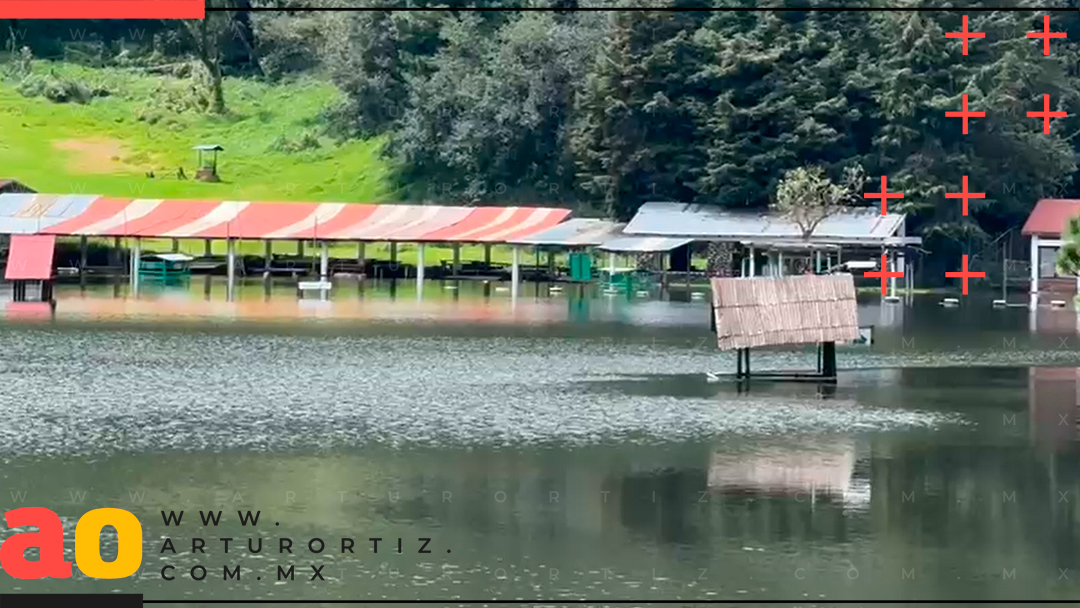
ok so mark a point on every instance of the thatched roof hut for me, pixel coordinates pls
(803, 309)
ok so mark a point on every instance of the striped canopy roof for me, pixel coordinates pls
(104, 216)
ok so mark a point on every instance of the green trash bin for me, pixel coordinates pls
(580, 267)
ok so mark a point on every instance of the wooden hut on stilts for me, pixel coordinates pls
(805, 309)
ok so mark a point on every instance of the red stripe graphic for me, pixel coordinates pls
(102, 9)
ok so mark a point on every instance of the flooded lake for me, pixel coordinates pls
(560, 447)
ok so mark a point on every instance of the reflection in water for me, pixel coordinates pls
(1054, 399)
(566, 449)
(823, 466)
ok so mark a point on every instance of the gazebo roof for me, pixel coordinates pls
(804, 309)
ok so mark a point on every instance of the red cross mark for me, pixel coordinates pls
(965, 274)
(965, 35)
(884, 195)
(964, 194)
(883, 274)
(965, 114)
(1046, 114)
(1046, 34)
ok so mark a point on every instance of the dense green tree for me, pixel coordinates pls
(1005, 154)
(635, 127)
(490, 122)
(794, 90)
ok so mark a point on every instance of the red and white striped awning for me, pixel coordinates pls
(155, 218)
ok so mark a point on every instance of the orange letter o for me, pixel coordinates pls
(88, 543)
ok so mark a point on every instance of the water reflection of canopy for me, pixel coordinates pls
(186, 307)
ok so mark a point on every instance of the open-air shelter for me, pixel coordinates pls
(232, 221)
(763, 237)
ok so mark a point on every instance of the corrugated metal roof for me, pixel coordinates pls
(578, 232)
(168, 257)
(103, 216)
(709, 222)
(643, 244)
(803, 309)
(1049, 217)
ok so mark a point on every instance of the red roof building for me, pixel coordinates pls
(1045, 226)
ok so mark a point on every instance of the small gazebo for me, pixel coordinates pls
(207, 162)
(804, 309)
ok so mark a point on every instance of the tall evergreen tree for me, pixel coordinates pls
(635, 125)
(490, 123)
(793, 91)
(1005, 154)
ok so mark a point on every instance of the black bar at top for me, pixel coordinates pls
(72, 600)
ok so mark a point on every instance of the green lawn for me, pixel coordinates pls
(118, 148)
(104, 148)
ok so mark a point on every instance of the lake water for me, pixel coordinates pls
(554, 448)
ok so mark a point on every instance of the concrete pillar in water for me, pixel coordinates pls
(116, 255)
(324, 261)
(207, 250)
(136, 253)
(1033, 301)
(230, 268)
(268, 254)
(324, 267)
(551, 264)
(487, 254)
(515, 271)
(83, 246)
(175, 245)
(457, 259)
(393, 252)
(420, 271)
(361, 252)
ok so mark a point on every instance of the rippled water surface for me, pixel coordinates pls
(563, 446)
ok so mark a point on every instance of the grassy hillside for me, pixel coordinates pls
(108, 145)
(273, 151)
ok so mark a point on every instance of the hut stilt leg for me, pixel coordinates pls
(738, 364)
(829, 360)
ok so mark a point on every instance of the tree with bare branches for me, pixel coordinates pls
(807, 196)
(209, 35)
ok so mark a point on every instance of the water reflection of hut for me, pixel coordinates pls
(785, 471)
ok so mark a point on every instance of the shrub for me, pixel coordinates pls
(57, 90)
(306, 141)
